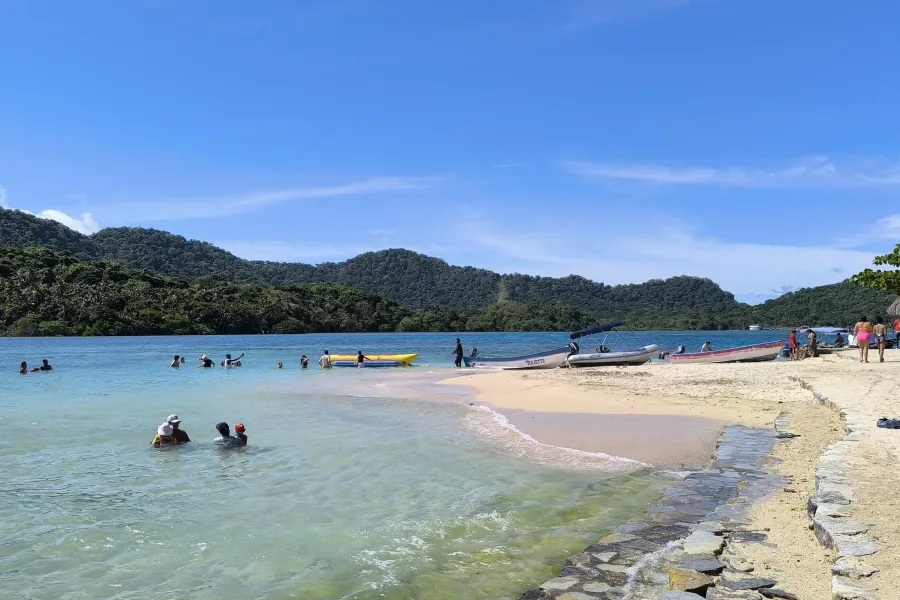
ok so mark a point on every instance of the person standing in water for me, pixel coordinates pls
(225, 438)
(325, 360)
(239, 430)
(45, 366)
(863, 328)
(232, 362)
(880, 333)
(176, 362)
(180, 435)
(304, 362)
(706, 347)
(23, 368)
(205, 362)
(458, 353)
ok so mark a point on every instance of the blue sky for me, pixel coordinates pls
(754, 142)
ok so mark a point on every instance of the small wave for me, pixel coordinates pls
(495, 428)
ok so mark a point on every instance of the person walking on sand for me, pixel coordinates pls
(325, 360)
(360, 360)
(863, 328)
(458, 353)
(880, 332)
(792, 344)
(813, 348)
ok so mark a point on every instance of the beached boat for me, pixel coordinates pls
(388, 360)
(753, 353)
(604, 355)
(551, 359)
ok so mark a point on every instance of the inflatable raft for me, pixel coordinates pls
(374, 360)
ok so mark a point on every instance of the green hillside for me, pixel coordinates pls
(452, 293)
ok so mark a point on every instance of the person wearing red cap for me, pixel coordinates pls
(239, 430)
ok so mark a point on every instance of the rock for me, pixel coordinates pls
(741, 581)
(604, 557)
(747, 536)
(738, 563)
(596, 587)
(716, 593)
(612, 568)
(533, 595)
(559, 584)
(827, 529)
(576, 596)
(704, 564)
(841, 589)
(850, 566)
(710, 527)
(677, 595)
(688, 580)
(776, 593)
(701, 542)
(615, 538)
(861, 545)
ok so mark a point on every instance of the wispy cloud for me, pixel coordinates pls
(584, 14)
(816, 172)
(85, 224)
(234, 204)
(752, 272)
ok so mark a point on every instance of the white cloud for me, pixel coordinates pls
(748, 270)
(233, 204)
(85, 224)
(815, 172)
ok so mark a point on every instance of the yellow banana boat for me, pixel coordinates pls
(403, 358)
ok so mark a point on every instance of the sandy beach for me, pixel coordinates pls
(671, 414)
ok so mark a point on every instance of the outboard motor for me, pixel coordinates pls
(573, 347)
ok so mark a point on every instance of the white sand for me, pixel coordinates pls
(751, 394)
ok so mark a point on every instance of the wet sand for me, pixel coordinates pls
(662, 440)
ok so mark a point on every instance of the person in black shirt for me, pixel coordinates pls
(458, 353)
(360, 359)
(178, 433)
(304, 362)
(205, 362)
(45, 366)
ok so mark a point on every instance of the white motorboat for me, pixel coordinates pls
(604, 355)
(753, 353)
(551, 359)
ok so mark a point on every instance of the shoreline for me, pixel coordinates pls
(811, 396)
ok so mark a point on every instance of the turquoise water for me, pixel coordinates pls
(355, 484)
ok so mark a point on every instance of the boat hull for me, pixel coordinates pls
(551, 359)
(369, 363)
(628, 357)
(755, 353)
(402, 358)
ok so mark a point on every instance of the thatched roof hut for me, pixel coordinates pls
(894, 308)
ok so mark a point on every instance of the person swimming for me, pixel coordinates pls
(45, 366)
(280, 365)
(226, 440)
(239, 432)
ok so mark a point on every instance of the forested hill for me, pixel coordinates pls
(410, 278)
(427, 283)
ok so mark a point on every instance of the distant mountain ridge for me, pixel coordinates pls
(428, 283)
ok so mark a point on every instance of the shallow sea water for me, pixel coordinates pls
(355, 484)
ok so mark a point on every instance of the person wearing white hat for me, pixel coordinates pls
(178, 433)
(164, 436)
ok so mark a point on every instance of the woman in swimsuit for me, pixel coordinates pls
(863, 328)
(880, 332)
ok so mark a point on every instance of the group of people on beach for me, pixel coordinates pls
(170, 433)
(877, 333)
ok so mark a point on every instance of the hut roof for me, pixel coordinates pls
(894, 308)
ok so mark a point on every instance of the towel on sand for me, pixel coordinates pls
(888, 423)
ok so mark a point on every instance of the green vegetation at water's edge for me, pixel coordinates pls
(426, 293)
(43, 292)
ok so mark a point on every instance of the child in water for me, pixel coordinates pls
(239, 430)
(165, 436)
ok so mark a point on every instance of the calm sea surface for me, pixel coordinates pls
(355, 484)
